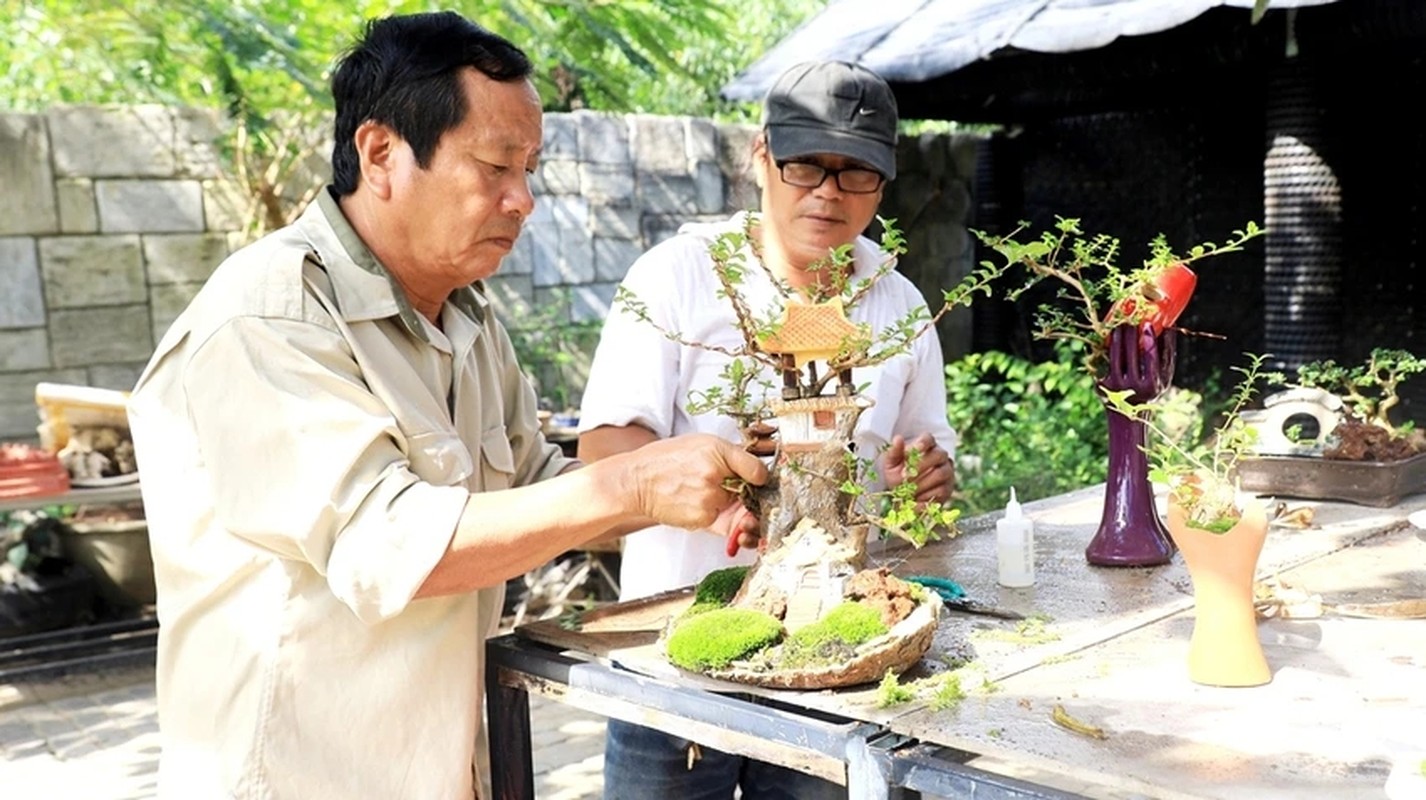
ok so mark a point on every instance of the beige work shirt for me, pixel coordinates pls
(307, 444)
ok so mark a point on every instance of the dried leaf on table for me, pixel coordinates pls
(1063, 719)
(1300, 517)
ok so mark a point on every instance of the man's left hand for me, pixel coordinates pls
(935, 474)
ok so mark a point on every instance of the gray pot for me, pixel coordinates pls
(117, 554)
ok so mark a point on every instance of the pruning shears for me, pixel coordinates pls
(954, 597)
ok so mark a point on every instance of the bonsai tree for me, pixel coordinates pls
(807, 613)
(1369, 393)
(1097, 294)
(1369, 390)
(1125, 319)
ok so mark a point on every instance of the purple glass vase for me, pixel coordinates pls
(1130, 532)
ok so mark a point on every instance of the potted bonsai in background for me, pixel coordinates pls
(1220, 532)
(1125, 318)
(1332, 437)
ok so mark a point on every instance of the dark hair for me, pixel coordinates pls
(405, 72)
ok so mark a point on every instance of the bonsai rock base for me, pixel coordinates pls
(897, 650)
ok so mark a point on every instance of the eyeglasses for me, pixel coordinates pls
(852, 180)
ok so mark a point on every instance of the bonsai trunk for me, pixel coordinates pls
(810, 546)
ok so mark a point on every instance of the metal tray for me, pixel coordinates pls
(1370, 483)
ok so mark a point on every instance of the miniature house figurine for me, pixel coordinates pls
(810, 332)
(810, 423)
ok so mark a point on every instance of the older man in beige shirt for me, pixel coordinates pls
(341, 460)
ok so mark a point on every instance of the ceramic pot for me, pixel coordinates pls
(117, 554)
(1130, 534)
(1225, 650)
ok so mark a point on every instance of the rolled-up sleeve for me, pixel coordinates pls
(317, 469)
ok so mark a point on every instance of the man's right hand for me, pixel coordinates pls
(683, 481)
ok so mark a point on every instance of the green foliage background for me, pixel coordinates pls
(267, 56)
(1038, 427)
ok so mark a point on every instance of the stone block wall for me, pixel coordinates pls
(104, 236)
(112, 218)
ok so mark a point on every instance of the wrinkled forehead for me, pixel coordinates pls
(502, 117)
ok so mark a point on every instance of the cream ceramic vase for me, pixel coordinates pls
(1225, 650)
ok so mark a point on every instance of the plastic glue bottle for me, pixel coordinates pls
(1015, 546)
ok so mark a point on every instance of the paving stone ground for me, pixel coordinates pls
(96, 738)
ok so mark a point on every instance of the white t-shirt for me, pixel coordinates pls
(641, 377)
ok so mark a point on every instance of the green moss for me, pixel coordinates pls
(1027, 631)
(849, 623)
(833, 638)
(719, 586)
(715, 591)
(949, 693)
(892, 693)
(716, 638)
(699, 608)
(918, 592)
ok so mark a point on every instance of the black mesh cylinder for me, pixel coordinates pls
(1302, 207)
(995, 172)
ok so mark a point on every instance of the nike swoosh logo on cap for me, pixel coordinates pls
(866, 112)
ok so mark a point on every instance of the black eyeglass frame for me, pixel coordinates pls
(824, 173)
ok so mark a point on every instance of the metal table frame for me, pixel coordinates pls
(872, 762)
(1102, 616)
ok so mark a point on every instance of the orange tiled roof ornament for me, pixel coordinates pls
(810, 332)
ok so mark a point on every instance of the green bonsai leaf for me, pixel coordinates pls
(1097, 293)
(1369, 390)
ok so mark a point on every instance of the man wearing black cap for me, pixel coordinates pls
(827, 149)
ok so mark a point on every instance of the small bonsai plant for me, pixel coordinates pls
(1368, 393)
(1201, 480)
(1330, 435)
(1125, 319)
(1097, 293)
(1220, 535)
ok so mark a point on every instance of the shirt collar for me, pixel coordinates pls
(365, 288)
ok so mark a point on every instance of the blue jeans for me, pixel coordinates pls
(645, 764)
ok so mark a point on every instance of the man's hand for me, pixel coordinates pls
(683, 481)
(935, 474)
(738, 527)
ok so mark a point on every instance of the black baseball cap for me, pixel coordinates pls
(832, 107)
